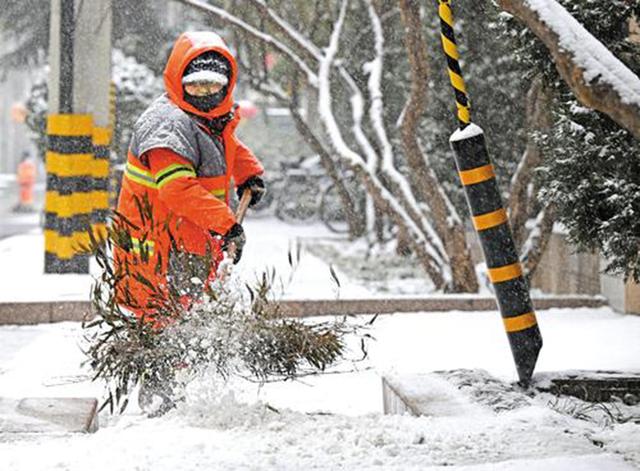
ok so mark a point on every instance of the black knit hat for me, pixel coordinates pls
(210, 61)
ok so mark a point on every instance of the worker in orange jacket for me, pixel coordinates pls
(26, 177)
(183, 159)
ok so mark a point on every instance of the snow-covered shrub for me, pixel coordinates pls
(231, 328)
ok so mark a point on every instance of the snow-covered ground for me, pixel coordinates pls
(327, 422)
(268, 245)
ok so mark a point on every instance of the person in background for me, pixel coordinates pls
(26, 178)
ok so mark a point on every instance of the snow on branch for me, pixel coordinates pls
(237, 22)
(326, 114)
(376, 110)
(597, 77)
(287, 29)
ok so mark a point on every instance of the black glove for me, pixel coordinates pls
(256, 185)
(234, 236)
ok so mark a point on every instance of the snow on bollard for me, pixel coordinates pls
(492, 226)
(489, 216)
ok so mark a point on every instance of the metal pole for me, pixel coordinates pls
(490, 218)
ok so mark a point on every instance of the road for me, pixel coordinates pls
(17, 223)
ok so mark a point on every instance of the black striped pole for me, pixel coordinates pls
(69, 199)
(77, 159)
(490, 218)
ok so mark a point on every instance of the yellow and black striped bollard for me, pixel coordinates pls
(490, 218)
(69, 199)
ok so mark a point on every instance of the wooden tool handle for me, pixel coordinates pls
(242, 207)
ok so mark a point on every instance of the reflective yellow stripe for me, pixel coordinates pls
(173, 176)
(170, 168)
(148, 245)
(140, 171)
(506, 273)
(450, 48)
(219, 193)
(464, 114)
(139, 175)
(70, 124)
(75, 203)
(76, 165)
(445, 13)
(489, 220)
(477, 175)
(518, 323)
(65, 246)
(457, 81)
(101, 136)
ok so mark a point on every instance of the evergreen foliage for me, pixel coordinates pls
(591, 170)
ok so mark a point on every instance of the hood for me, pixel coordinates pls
(187, 47)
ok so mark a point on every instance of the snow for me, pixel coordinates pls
(332, 421)
(335, 421)
(598, 63)
(268, 245)
(205, 76)
(471, 130)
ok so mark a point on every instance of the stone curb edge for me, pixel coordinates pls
(25, 313)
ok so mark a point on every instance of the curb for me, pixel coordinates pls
(29, 313)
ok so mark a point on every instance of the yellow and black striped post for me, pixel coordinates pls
(490, 218)
(70, 198)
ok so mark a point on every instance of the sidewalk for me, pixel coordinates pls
(22, 266)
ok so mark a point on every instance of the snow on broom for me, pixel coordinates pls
(230, 328)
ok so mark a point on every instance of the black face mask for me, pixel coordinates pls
(206, 103)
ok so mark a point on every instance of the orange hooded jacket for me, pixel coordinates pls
(183, 171)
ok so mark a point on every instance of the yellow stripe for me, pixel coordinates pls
(140, 181)
(449, 47)
(168, 169)
(464, 114)
(76, 165)
(139, 175)
(178, 174)
(143, 171)
(65, 247)
(506, 273)
(457, 81)
(444, 10)
(99, 230)
(75, 203)
(69, 124)
(477, 175)
(101, 136)
(219, 192)
(148, 245)
(518, 323)
(489, 220)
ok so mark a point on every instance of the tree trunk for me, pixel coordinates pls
(355, 219)
(424, 183)
(538, 118)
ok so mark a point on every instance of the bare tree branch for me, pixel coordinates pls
(238, 23)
